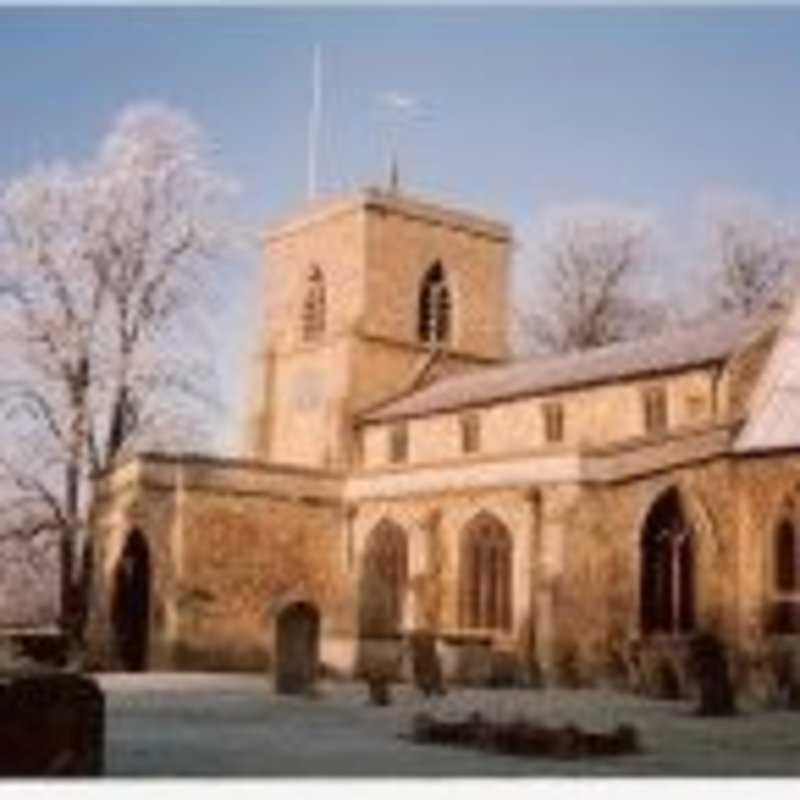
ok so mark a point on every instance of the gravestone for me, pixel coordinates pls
(379, 690)
(297, 649)
(426, 666)
(709, 666)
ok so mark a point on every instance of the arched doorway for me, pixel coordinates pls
(130, 607)
(384, 580)
(296, 648)
(667, 568)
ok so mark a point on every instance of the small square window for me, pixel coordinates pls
(654, 405)
(553, 414)
(398, 442)
(470, 433)
(695, 407)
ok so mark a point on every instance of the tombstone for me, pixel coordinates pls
(379, 690)
(668, 684)
(297, 649)
(709, 666)
(426, 667)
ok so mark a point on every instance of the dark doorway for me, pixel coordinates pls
(667, 568)
(130, 607)
(297, 648)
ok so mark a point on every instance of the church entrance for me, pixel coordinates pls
(130, 605)
(296, 648)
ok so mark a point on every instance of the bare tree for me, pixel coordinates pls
(587, 267)
(104, 272)
(750, 249)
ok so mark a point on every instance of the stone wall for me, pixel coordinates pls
(593, 416)
(227, 542)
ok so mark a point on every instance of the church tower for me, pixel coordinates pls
(364, 293)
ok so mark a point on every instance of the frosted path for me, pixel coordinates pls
(207, 725)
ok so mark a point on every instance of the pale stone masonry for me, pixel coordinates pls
(590, 515)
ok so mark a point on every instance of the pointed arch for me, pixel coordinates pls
(667, 553)
(785, 611)
(314, 305)
(486, 574)
(130, 602)
(787, 574)
(384, 580)
(435, 311)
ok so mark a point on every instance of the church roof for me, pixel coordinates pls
(774, 421)
(688, 346)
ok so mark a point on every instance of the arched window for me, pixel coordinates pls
(486, 574)
(384, 579)
(786, 609)
(434, 307)
(786, 572)
(667, 569)
(314, 306)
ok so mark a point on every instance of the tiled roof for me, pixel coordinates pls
(680, 348)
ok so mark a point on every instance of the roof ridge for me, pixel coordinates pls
(660, 352)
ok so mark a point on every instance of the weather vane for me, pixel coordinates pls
(401, 109)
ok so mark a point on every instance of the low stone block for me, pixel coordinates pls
(51, 724)
(525, 738)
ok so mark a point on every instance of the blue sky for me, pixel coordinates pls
(521, 108)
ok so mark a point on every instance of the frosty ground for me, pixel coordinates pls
(234, 725)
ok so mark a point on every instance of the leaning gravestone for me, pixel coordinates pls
(709, 666)
(51, 724)
(426, 666)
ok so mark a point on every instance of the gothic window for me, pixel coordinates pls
(667, 569)
(434, 307)
(398, 442)
(470, 424)
(553, 414)
(786, 572)
(486, 575)
(384, 580)
(786, 611)
(314, 306)
(654, 409)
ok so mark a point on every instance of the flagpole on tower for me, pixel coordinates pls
(314, 122)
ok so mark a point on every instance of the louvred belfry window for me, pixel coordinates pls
(434, 307)
(314, 306)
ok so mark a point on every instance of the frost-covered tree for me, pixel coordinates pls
(586, 274)
(752, 251)
(104, 286)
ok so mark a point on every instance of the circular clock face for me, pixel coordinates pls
(307, 390)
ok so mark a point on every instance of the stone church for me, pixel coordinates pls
(561, 520)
